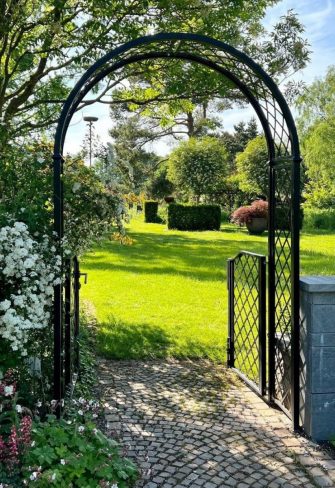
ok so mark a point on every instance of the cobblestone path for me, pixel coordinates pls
(192, 424)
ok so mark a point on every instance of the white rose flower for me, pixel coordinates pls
(76, 187)
(5, 305)
(9, 390)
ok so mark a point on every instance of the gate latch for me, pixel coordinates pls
(84, 274)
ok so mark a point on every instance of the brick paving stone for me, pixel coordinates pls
(195, 424)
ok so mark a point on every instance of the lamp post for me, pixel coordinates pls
(90, 119)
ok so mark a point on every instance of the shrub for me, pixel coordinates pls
(68, 453)
(243, 215)
(194, 217)
(150, 212)
(28, 271)
(319, 219)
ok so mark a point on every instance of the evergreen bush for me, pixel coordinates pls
(151, 212)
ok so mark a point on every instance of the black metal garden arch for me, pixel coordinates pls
(284, 190)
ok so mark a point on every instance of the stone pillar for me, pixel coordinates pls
(317, 314)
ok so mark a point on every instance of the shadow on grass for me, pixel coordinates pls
(119, 340)
(189, 256)
(171, 254)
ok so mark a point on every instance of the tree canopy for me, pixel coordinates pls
(319, 156)
(316, 124)
(46, 44)
(198, 167)
(183, 97)
(317, 102)
(252, 167)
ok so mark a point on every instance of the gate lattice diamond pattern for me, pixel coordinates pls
(247, 319)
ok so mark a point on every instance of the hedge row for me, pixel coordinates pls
(194, 217)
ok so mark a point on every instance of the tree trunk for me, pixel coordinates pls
(190, 124)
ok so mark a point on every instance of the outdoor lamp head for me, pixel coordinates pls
(90, 118)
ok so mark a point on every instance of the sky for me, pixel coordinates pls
(318, 17)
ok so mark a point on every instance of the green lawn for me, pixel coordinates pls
(166, 294)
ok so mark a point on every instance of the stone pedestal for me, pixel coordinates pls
(317, 314)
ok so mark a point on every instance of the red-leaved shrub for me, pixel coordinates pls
(257, 209)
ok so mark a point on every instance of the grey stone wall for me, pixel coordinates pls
(317, 379)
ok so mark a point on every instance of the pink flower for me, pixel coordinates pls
(12, 444)
(2, 449)
(25, 430)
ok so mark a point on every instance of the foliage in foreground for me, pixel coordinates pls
(38, 450)
(69, 454)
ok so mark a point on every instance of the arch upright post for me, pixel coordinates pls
(58, 289)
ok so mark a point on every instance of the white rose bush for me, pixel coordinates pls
(30, 267)
(28, 271)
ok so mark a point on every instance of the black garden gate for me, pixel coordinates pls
(259, 353)
(283, 166)
(246, 348)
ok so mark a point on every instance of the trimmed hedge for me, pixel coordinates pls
(150, 212)
(319, 219)
(194, 217)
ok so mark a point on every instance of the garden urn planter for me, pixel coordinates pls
(257, 225)
(169, 199)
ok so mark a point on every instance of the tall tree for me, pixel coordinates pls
(183, 96)
(133, 163)
(237, 141)
(319, 157)
(317, 102)
(316, 124)
(252, 168)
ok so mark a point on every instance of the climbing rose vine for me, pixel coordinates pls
(28, 271)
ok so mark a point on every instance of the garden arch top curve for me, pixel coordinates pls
(284, 177)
